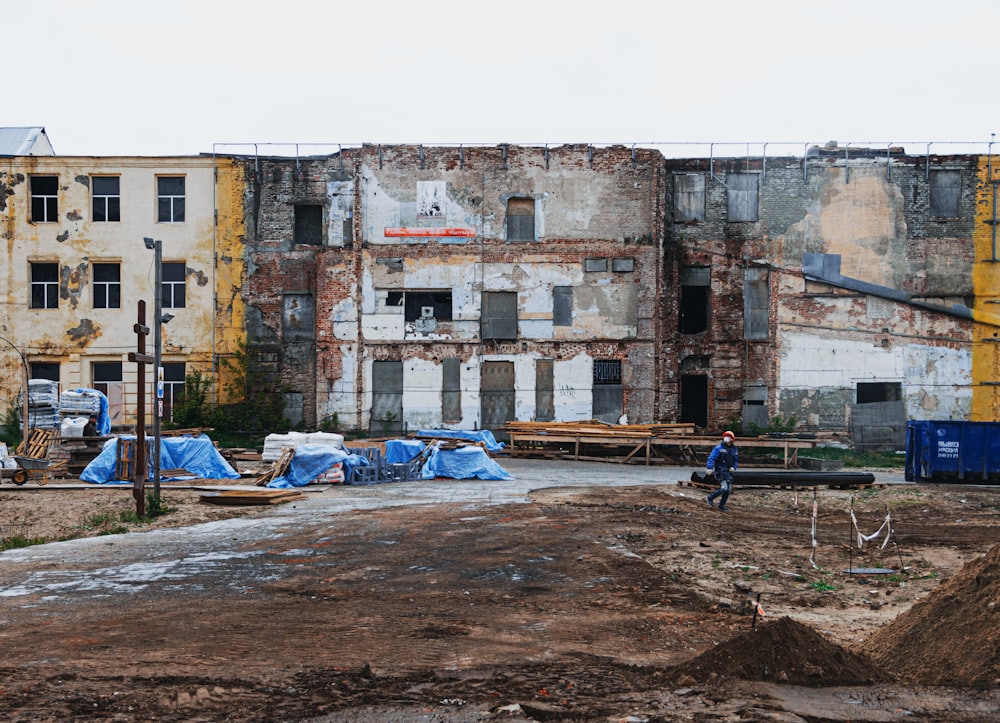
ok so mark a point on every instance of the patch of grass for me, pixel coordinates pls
(822, 586)
(851, 458)
(19, 540)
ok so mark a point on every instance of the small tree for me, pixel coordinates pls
(190, 408)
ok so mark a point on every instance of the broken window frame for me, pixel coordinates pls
(413, 301)
(44, 199)
(106, 200)
(170, 197)
(173, 290)
(694, 308)
(44, 285)
(305, 230)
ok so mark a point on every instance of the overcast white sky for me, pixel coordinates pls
(128, 77)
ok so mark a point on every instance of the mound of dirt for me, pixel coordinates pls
(784, 651)
(952, 637)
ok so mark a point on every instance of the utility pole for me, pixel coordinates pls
(156, 245)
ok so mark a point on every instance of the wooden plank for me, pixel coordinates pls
(251, 497)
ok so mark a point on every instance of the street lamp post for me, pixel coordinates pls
(157, 247)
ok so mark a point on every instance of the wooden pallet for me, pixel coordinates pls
(278, 469)
(37, 445)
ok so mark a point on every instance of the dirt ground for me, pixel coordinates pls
(593, 604)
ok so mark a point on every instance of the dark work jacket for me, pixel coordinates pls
(721, 458)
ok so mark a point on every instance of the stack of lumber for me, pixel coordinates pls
(597, 428)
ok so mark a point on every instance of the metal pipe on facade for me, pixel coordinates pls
(763, 160)
(888, 158)
(847, 163)
(805, 158)
(927, 163)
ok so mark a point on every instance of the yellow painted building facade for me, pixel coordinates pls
(74, 266)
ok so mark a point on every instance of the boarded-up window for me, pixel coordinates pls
(545, 410)
(595, 265)
(741, 197)
(946, 190)
(689, 197)
(309, 225)
(692, 317)
(756, 303)
(521, 219)
(387, 398)
(451, 390)
(499, 316)
(562, 306)
(298, 322)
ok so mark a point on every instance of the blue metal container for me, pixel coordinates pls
(951, 451)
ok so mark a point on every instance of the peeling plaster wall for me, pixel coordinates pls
(586, 207)
(872, 209)
(76, 334)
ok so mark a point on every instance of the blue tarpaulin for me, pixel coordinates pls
(470, 462)
(484, 435)
(197, 455)
(312, 460)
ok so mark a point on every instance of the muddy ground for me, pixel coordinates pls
(592, 604)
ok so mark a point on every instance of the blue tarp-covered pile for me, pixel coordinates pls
(483, 436)
(197, 455)
(470, 462)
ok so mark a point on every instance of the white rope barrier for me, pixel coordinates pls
(863, 538)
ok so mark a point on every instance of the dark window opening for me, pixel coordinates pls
(106, 198)
(173, 290)
(607, 371)
(694, 399)
(693, 312)
(107, 286)
(421, 304)
(45, 286)
(45, 370)
(873, 392)
(44, 199)
(170, 199)
(309, 225)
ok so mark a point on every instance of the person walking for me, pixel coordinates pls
(722, 462)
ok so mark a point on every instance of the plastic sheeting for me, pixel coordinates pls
(197, 455)
(484, 435)
(470, 462)
(463, 463)
(309, 462)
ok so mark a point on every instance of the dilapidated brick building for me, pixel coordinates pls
(404, 287)
(407, 287)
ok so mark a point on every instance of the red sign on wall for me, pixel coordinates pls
(400, 231)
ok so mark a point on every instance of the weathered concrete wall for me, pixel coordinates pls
(823, 340)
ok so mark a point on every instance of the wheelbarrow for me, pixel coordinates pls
(31, 468)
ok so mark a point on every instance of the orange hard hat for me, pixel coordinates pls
(729, 435)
